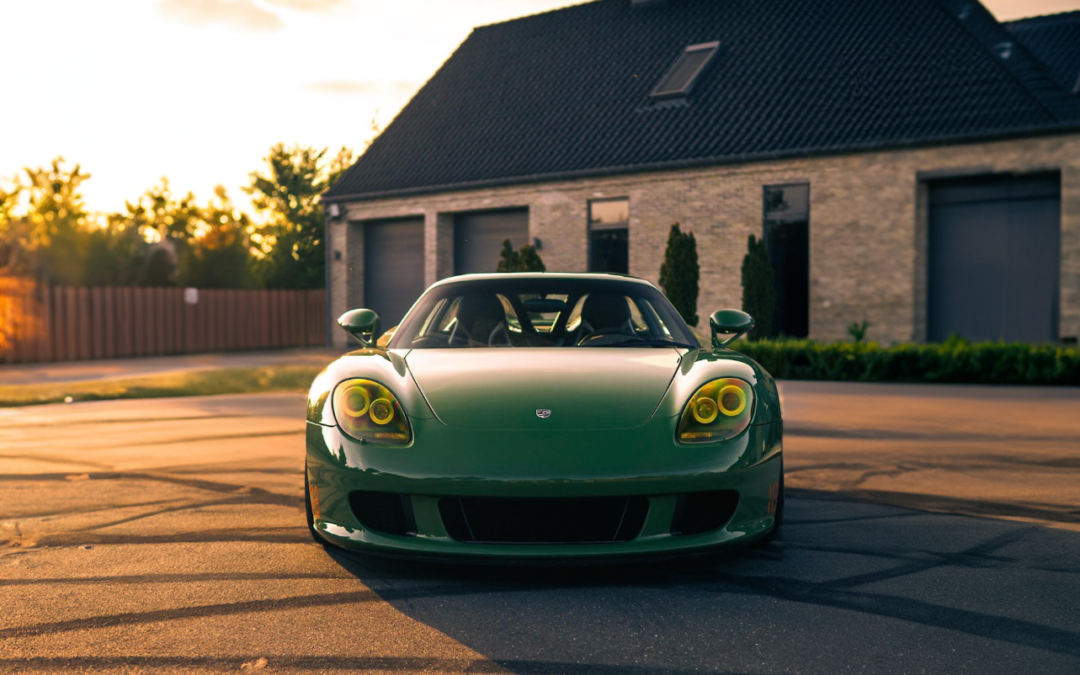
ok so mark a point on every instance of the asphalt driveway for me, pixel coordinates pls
(167, 536)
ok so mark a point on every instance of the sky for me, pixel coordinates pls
(199, 90)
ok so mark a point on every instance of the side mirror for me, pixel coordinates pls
(362, 324)
(729, 322)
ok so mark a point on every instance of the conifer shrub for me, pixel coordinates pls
(525, 260)
(758, 288)
(680, 273)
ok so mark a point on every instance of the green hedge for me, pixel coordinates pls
(954, 361)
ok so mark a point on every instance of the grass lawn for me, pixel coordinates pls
(193, 383)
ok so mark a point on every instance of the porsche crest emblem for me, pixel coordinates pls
(543, 413)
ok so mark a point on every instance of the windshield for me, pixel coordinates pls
(549, 312)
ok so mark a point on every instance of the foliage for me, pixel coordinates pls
(679, 273)
(287, 194)
(857, 331)
(118, 255)
(758, 288)
(17, 241)
(165, 239)
(958, 362)
(171, 218)
(220, 257)
(525, 260)
(146, 241)
(48, 240)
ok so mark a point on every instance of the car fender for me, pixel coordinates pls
(385, 366)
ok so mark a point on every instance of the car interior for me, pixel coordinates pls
(490, 319)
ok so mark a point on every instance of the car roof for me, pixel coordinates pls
(494, 276)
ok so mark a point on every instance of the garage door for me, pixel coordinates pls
(393, 267)
(994, 255)
(478, 238)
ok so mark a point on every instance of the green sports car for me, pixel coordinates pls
(543, 416)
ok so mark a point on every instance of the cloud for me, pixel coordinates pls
(357, 87)
(308, 5)
(238, 13)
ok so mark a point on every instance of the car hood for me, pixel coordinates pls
(587, 388)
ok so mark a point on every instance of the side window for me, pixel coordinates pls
(640, 325)
(647, 307)
(429, 321)
(449, 318)
(574, 318)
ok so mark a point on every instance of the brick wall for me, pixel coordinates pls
(867, 227)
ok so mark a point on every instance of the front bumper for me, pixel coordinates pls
(643, 463)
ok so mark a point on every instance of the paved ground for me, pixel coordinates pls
(167, 536)
(1008, 452)
(111, 369)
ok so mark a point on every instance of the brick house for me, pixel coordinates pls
(915, 164)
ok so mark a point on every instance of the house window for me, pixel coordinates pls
(681, 76)
(787, 238)
(609, 236)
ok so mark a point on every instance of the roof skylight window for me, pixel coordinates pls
(680, 78)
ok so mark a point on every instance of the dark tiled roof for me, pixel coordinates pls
(1055, 40)
(567, 92)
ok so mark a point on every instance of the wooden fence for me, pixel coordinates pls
(41, 323)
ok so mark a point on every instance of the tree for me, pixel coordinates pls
(169, 217)
(339, 164)
(680, 273)
(219, 256)
(153, 234)
(287, 196)
(56, 222)
(525, 260)
(57, 241)
(165, 240)
(759, 290)
(117, 255)
(17, 241)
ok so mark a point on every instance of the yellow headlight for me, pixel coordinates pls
(705, 409)
(717, 411)
(732, 400)
(368, 412)
(357, 400)
(382, 411)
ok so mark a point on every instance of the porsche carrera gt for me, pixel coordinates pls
(544, 416)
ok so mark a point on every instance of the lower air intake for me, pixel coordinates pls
(386, 512)
(699, 512)
(585, 520)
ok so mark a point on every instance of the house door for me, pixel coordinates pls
(393, 267)
(479, 237)
(994, 257)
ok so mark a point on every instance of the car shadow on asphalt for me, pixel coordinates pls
(890, 588)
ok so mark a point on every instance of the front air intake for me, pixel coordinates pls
(385, 512)
(576, 520)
